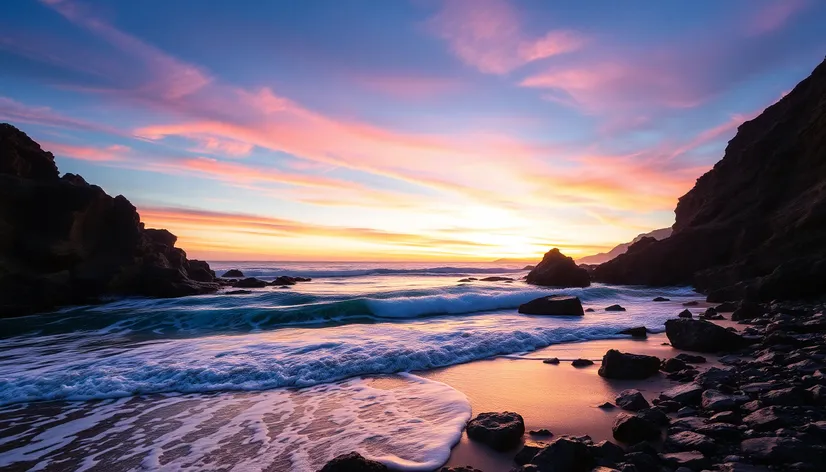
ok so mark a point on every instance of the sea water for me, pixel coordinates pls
(279, 379)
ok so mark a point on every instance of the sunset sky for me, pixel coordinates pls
(398, 130)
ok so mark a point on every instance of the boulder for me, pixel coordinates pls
(65, 241)
(284, 280)
(528, 451)
(638, 332)
(726, 307)
(564, 453)
(250, 282)
(496, 278)
(233, 274)
(661, 299)
(690, 441)
(555, 305)
(715, 400)
(685, 314)
(619, 365)
(692, 460)
(582, 362)
(501, 431)
(774, 449)
(687, 394)
(632, 429)
(558, 270)
(690, 358)
(766, 419)
(702, 336)
(672, 364)
(353, 462)
(711, 314)
(614, 308)
(631, 400)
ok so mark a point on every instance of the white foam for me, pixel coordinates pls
(410, 424)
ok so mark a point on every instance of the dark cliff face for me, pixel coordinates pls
(755, 225)
(64, 241)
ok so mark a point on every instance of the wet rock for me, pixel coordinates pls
(655, 415)
(741, 467)
(564, 453)
(715, 400)
(614, 308)
(589, 310)
(632, 400)
(556, 305)
(619, 365)
(232, 274)
(661, 299)
(702, 336)
(784, 396)
(725, 417)
(496, 278)
(540, 432)
(501, 431)
(773, 449)
(529, 451)
(747, 311)
(715, 377)
(672, 364)
(552, 360)
(690, 423)
(726, 307)
(690, 441)
(631, 429)
(467, 279)
(711, 314)
(353, 462)
(558, 270)
(638, 332)
(766, 419)
(685, 314)
(692, 460)
(250, 282)
(686, 394)
(238, 292)
(722, 431)
(582, 362)
(691, 358)
(607, 406)
(607, 450)
(641, 462)
(686, 411)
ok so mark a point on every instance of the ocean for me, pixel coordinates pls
(279, 379)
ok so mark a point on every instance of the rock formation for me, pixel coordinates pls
(64, 241)
(754, 226)
(603, 257)
(558, 270)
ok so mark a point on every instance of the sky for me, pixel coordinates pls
(398, 130)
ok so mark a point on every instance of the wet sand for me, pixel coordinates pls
(561, 398)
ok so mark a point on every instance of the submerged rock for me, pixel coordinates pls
(250, 282)
(496, 279)
(638, 332)
(501, 431)
(558, 270)
(619, 365)
(353, 462)
(702, 336)
(557, 305)
(582, 362)
(614, 308)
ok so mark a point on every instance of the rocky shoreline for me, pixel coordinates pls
(762, 409)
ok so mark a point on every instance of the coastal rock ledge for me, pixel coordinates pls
(64, 241)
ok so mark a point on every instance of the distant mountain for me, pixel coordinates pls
(657, 234)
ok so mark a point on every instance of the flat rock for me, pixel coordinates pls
(555, 305)
(693, 460)
(501, 431)
(702, 336)
(689, 393)
(715, 400)
(774, 449)
(725, 431)
(661, 299)
(619, 365)
(766, 419)
(784, 396)
(632, 400)
(690, 441)
(614, 308)
(690, 358)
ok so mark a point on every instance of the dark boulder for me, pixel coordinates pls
(283, 280)
(672, 364)
(726, 307)
(233, 274)
(747, 311)
(691, 460)
(687, 394)
(564, 454)
(65, 241)
(767, 419)
(752, 227)
(632, 429)
(632, 400)
(638, 332)
(558, 270)
(685, 314)
(702, 336)
(614, 308)
(501, 431)
(619, 365)
(582, 362)
(558, 305)
(775, 450)
(711, 314)
(250, 282)
(661, 299)
(496, 278)
(353, 462)
(690, 441)
(690, 358)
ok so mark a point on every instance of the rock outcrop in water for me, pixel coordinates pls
(64, 241)
(755, 225)
(558, 270)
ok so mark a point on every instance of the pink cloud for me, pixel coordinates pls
(774, 16)
(407, 87)
(211, 145)
(14, 111)
(487, 34)
(115, 152)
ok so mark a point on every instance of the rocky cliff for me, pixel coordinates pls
(603, 257)
(64, 241)
(754, 226)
